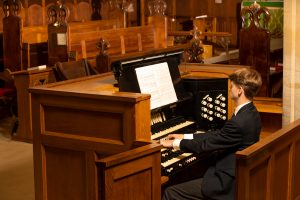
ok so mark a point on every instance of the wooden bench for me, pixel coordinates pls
(59, 48)
(34, 42)
(269, 169)
(116, 44)
(120, 41)
(97, 25)
(27, 46)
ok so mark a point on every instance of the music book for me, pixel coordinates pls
(156, 80)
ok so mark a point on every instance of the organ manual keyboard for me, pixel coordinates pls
(179, 113)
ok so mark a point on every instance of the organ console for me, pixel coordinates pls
(201, 105)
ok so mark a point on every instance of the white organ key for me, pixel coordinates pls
(176, 159)
(164, 117)
(159, 117)
(171, 129)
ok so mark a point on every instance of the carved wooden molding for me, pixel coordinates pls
(58, 14)
(11, 7)
(103, 45)
(258, 16)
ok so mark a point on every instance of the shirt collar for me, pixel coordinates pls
(240, 106)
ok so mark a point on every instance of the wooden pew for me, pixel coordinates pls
(269, 169)
(27, 46)
(59, 49)
(120, 41)
(97, 25)
(34, 43)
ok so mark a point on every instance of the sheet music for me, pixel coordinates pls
(156, 81)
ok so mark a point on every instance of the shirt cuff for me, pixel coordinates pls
(176, 144)
(188, 136)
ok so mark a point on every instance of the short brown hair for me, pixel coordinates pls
(248, 79)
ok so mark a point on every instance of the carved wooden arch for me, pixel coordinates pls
(35, 15)
(11, 7)
(58, 14)
(84, 11)
(256, 14)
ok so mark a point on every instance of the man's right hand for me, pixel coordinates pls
(174, 136)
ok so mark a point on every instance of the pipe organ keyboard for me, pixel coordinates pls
(172, 160)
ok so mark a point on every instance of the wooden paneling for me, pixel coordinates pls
(95, 144)
(65, 172)
(267, 169)
(121, 179)
(258, 180)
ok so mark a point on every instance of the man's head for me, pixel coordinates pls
(247, 81)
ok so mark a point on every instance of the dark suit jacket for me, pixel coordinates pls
(238, 133)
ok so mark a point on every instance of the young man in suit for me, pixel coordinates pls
(239, 132)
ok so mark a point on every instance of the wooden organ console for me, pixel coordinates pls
(96, 139)
(201, 105)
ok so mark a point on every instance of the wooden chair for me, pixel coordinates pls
(255, 43)
(73, 69)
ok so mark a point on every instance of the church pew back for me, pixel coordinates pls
(269, 168)
(121, 41)
(34, 34)
(97, 25)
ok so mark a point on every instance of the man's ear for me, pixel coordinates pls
(241, 90)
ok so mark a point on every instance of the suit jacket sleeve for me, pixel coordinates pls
(227, 137)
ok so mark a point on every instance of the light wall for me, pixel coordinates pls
(291, 60)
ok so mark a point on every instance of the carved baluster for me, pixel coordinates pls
(58, 14)
(57, 33)
(102, 60)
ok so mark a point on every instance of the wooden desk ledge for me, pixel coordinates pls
(268, 105)
(132, 154)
